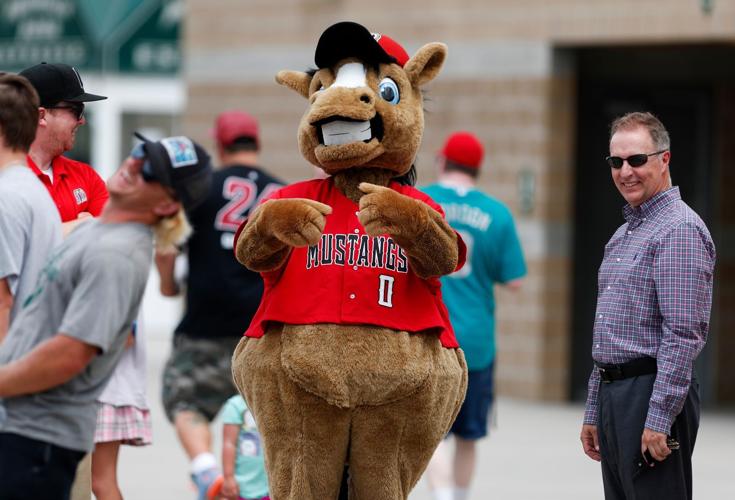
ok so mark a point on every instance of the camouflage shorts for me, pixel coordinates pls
(198, 376)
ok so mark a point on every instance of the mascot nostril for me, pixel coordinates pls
(350, 357)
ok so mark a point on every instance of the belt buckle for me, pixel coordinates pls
(603, 376)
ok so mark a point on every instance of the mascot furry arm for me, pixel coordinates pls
(351, 357)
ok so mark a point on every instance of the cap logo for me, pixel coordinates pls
(79, 78)
(180, 151)
(377, 36)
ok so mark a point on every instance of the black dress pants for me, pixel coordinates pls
(623, 406)
(31, 469)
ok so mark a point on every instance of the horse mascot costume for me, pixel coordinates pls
(351, 358)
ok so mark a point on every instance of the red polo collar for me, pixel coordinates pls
(57, 164)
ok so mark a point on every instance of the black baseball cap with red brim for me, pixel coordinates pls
(349, 39)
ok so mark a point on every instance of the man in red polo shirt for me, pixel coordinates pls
(78, 191)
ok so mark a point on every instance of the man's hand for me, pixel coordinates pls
(69, 226)
(590, 443)
(655, 443)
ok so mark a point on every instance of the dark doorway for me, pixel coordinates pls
(676, 84)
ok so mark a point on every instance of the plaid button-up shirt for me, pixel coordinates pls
(653, 299)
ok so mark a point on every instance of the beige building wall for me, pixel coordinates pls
(507, 78)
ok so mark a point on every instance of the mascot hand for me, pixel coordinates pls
(384, 211)
(297, 222)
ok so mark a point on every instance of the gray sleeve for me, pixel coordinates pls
(12, 247)
(105, 299)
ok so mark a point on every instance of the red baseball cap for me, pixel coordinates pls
(348, 39)
(233, 124)
(463, 148)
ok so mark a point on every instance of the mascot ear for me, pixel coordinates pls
(296, 80)
(426, 63)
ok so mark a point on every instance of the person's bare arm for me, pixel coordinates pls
(6, 304)
(51, 363)
(230, 488)
(69, 226)
(165, 263)
(513, 285)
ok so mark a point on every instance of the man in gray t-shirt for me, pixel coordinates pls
(63, 345)
(30, 226)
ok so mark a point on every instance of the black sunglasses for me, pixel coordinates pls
(76, 109)
(633, 160)
(147, 171)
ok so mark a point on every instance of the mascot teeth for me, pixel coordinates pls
(341, 132)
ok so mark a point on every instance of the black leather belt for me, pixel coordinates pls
(634, 368)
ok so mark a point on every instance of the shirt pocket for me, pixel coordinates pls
(636, 284)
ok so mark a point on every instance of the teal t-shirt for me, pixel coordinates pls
(494, 255)
(249, 464)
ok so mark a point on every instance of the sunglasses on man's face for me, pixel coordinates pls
(76, 109)
(147, 170)
(638, 160)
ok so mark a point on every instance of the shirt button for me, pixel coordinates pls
(597, 346)
(357, 231)
(354, 268)
(608, 287)
(352, 295)
(618, 259)
(644, 218)
(357, 213)
(600, 316)
(630, 232)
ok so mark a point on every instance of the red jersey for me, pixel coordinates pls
(76, 187)
(350, 277)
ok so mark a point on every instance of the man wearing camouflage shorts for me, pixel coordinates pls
(221, 295)
(197, 376)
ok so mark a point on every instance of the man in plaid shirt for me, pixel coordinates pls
(651, 322)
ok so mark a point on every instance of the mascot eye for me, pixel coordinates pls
(389, 91)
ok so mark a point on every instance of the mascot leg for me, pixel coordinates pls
(392, 443)
(304, 458)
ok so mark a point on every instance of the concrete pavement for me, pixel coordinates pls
(534, 453)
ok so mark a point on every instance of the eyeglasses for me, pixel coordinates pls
(638, 160)
(77, 109)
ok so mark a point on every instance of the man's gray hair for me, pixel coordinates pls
(656, 129)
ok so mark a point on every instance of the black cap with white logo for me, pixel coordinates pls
(181, 164)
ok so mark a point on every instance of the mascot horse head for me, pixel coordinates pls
(365, 102)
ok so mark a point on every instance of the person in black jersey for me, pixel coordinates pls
(221, 294)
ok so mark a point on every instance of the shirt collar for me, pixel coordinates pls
(460, 189)
(652, 206)
(57, 164)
